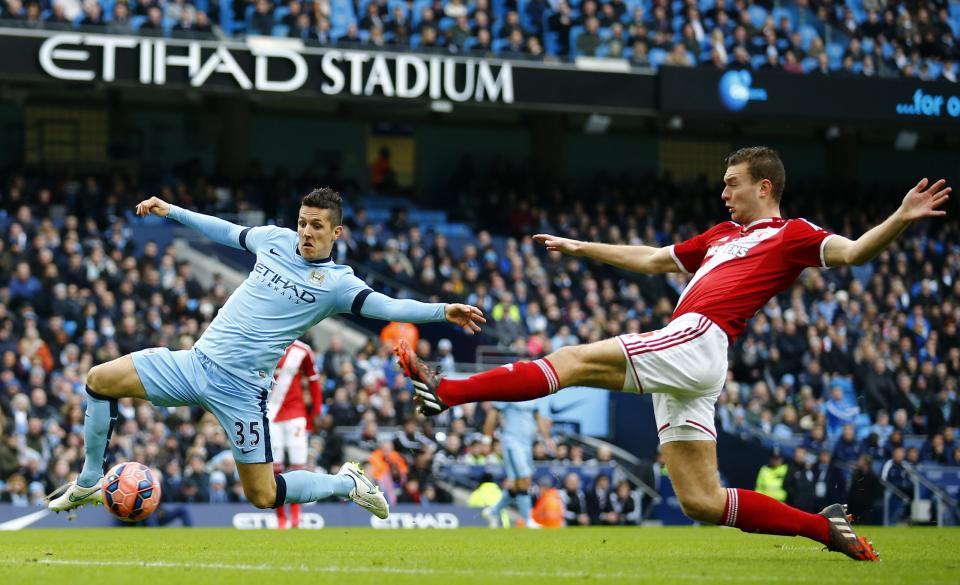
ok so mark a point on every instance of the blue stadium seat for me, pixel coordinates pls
(809, 64)
(657, 56)
(835, 52)
(867, 45)
(575, 32)
(790, 12)
(757, 15)
(678, 22)
(137, 21)
(807, 34)
(281, 30)
(757, 60)
(279, 13)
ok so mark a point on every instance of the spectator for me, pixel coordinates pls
(800, 482)
(589, 40)
(865, 493)
(771, 477)
(574, 501)
(599, 503)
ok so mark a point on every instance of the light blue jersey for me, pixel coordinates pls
(518, 421)
(284, 296)
(230, 368)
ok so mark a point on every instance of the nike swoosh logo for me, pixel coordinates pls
(274, 252)
(248, 451)
(80, 499)
(565, 407)
(371, 489)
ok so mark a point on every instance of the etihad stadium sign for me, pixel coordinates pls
(287, 67)
(277, 66)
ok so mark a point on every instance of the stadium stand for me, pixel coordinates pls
(870, 38)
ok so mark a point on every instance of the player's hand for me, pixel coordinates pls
(558, 244)
(550, 445)
(154, 205)
(924, 200)
(465, 316)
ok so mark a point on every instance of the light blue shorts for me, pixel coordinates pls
(517, 459)
(189, 378)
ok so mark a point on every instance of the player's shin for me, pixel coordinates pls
(514, 382)
(754, 512)
(98, 424)
(302, 486)
(294, 515)
(525, 505)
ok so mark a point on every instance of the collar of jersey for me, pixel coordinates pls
(320, 261)
(761, 221)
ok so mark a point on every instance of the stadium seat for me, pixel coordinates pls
(835, 53)
(281, 30)
(657, 56)
(807, 34)
(758, 14)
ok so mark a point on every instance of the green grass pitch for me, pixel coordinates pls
(665, 556)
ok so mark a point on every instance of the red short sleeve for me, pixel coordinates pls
(804, 243)
(689, 254)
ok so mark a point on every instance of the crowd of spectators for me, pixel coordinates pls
(77, 289)
(874, 38)
(847, 362)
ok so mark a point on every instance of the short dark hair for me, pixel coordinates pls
(762, 163)
(326, 198)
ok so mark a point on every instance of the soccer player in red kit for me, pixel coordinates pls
(290, 424)
(736, 267)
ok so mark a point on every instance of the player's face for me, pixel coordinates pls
(317, 232)
(741, 195)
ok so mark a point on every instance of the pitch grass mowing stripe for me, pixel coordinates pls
(601, 556)
(379, 570)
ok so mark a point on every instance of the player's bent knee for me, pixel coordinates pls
(701, 507)
(96, 378)
(263, 499)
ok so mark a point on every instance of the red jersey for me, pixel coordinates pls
(286, 400)
(737, 269)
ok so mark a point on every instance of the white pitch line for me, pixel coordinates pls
(396, 570)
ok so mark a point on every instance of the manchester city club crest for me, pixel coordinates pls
(317, 276)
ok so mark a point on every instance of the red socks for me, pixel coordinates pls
(514, 382)
(294, 515)
(754, 512)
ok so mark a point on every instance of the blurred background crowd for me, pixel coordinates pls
(850, 368)
(877, 38)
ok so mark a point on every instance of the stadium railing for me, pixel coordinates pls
(927, 481)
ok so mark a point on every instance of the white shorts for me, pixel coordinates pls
(684, 366)
(289, 435)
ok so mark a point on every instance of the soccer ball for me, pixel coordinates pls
(131, 491)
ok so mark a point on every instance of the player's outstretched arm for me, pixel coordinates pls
(921, 202)
(379, 306)
(218, 230)
(643, 259)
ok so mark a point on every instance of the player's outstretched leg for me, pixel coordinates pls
(301, 486)
(692, 466)
(104, 384)
(600, 364)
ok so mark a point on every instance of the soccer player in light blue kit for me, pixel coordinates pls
(519, 424)
(294, 285)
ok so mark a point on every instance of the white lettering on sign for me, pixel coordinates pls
(74, 57)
